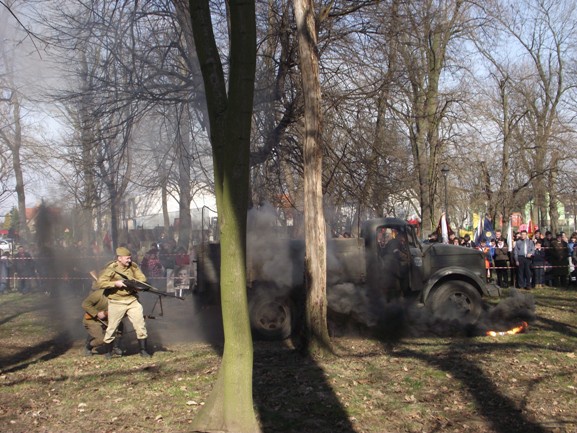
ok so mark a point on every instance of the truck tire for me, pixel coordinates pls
(271, 318)
(456, 300)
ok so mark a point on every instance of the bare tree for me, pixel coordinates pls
(12, 139)
(530, 90)
(316, 333)
(11, 118)
(230, 405)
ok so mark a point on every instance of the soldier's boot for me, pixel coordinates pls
(108, 349)
(116, 349)
(88, 346)
(143, 351)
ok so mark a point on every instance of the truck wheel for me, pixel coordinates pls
(456, 300)
(270, 319)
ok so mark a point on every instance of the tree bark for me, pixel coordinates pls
(230, 406)
(316, 334)
(15, 145)
(183, 159)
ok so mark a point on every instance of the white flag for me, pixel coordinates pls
(444, 229)
(510, 236)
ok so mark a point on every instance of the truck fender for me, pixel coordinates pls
(452, 273)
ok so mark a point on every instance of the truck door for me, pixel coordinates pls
(416, 272)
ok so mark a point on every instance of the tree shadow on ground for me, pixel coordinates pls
(282, 376)
(503, 413)
(52, 348)
(559, 327)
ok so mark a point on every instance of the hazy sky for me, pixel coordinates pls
(25, 65)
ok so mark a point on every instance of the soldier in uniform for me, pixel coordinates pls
(95, 307)
(122, 300)
(395, 262)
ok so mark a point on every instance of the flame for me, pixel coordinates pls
(516, 330)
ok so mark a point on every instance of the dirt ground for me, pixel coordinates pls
(434, 380)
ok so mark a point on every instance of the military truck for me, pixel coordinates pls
(386, 262)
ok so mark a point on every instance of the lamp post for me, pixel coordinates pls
(445, 172)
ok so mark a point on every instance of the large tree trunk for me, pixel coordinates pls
(316, 334)
(230, 405)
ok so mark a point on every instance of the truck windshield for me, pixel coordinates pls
(386, 233)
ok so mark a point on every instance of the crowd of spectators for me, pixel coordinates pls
(69, 265)
(550, 260)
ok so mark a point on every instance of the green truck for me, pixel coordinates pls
(385, 264)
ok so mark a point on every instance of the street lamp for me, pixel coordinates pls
(445, 172)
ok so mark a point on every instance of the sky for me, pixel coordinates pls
(25, 65)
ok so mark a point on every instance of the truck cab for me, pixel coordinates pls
(449, 280)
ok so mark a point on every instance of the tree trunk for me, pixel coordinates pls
(183, 152)
(230, 405)
(316, 334)
(15, 147)
(86, 129)
(164, 205)
(553, 181)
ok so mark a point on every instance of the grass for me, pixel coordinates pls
(423, 383)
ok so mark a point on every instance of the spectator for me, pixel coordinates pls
(523, 252)
(547, 245)
(5, 268)
(151, 265)
(501, 263)
(467, 242)
(571, 242)
(499, 236)
(538, 262)
(570, 247)
(182, 258)
(559, 259)
(488, 249)
(166, 255)
(24, 268)
(536, 236)
(574, 262)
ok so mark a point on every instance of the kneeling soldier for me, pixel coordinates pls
(95, 307)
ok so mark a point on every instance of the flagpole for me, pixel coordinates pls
(510, 235)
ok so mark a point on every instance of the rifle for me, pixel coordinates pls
(98, 319)
(141, 286)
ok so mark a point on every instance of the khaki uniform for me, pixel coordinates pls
(95, 302)
(122, 301)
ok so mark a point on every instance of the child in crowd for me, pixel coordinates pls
(538, 264)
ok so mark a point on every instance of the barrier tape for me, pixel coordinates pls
(65, 278)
